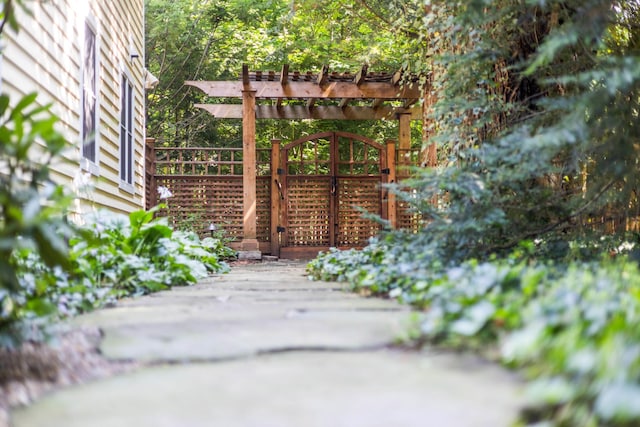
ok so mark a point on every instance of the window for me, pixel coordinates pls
(126, 132)
(89, 83)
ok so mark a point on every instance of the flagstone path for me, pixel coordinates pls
(263, 346)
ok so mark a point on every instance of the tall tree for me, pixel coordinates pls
(536, 119)
(211, 39)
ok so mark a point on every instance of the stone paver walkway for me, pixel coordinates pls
(263, 346)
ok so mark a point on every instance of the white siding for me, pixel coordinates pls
(46, 56)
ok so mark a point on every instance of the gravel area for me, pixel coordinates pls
(72, 357)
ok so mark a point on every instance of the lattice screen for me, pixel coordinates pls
(308, 202)
(363, 192)
(408, 219)
(263, 208)
(206, 184)
(207, 188)
(198, 201)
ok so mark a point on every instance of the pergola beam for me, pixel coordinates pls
(318, 112)
(306, 89)
(265, 96)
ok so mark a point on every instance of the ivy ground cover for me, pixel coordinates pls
(570, 327)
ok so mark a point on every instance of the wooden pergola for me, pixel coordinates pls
(292, 95)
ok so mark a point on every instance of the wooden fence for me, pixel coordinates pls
(206, 188)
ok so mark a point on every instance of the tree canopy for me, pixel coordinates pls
(210, 40)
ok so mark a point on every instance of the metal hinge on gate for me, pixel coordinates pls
(280, 171)
(280, 229)
(386, 171)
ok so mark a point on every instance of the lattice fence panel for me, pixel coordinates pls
(353, 228)
(263, 208)
(198, 201)
(308, 204)
(407, 218)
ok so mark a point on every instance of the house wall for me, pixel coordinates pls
(46, 56)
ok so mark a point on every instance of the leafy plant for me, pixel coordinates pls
(210, 40)
(113, 256)
(570, 326)
(31, 207)
(142, 254)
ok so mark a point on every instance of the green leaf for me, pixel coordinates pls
(474, 319)
(51, 247)
(4, 104)
(551, 391)
(619, 402)
(17, 113)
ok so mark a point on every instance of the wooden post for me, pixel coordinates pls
(432, 155)
(430, 158)
(151, 186)
(275, 197)
(249, 248)
(404, 142)
(392, 206)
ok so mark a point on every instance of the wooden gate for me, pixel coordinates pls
(329, 182)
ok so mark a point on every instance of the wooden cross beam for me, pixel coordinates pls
(319, 112)
(300, 89)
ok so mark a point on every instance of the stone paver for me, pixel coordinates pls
(263, 346)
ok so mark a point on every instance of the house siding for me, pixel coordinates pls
(46, 56)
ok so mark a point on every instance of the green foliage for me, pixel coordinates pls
(536, 119)
(143, 254)
(210, 40)
(537, 126)
(111, 257)
(31, 206)
(40, 276)
(580, 344)
(571, 327)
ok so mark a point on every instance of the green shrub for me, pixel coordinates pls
(113, 256)
(142, 254)
(31, 212)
